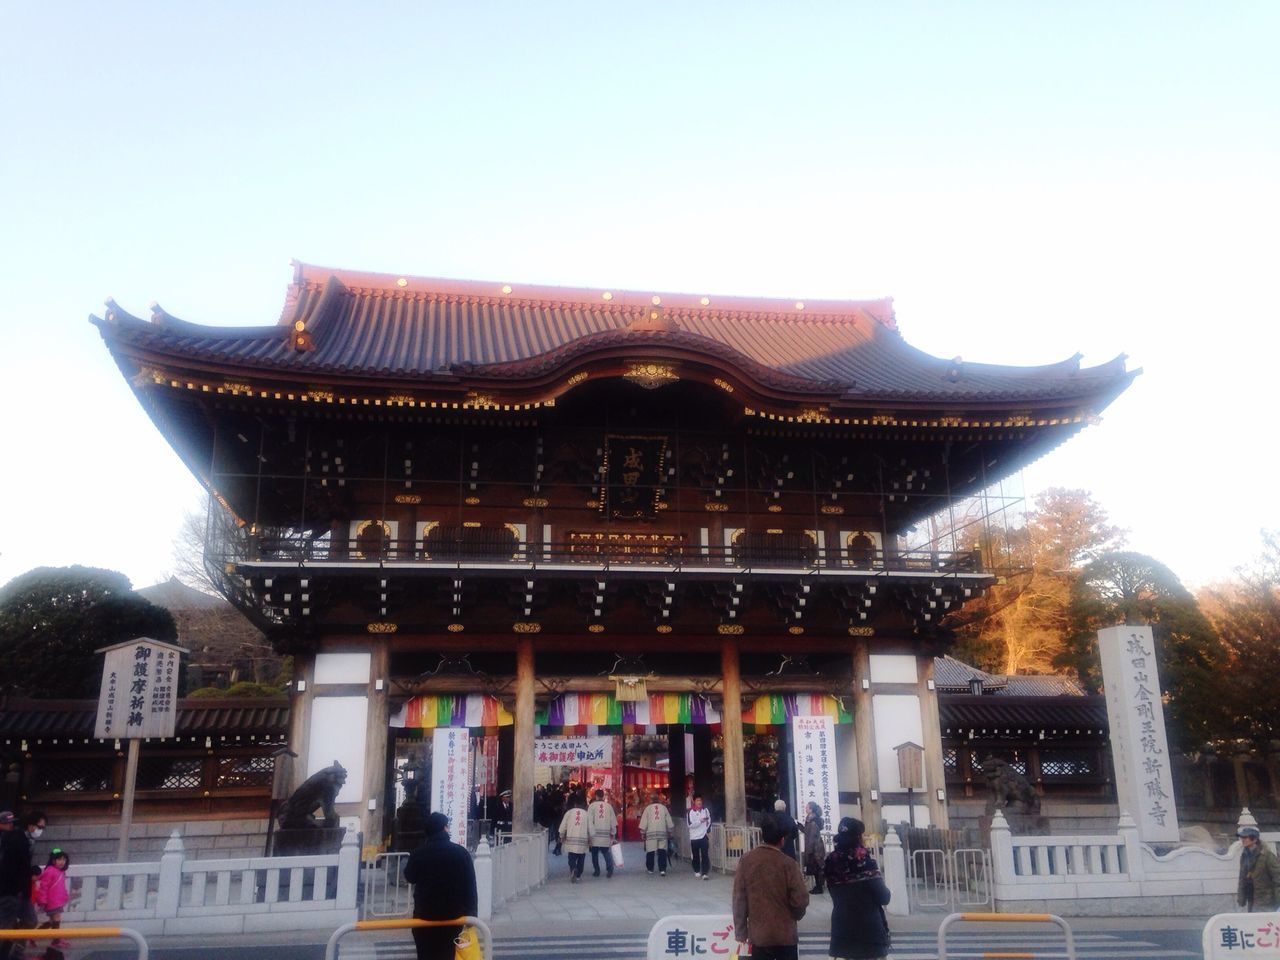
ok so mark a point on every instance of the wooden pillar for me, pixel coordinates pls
(376, 735)
(522, 748)
(931, 727)
(735, 784)
(304, 665)
(1242, 782)
(864, 737)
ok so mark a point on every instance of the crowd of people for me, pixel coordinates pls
(30, 894)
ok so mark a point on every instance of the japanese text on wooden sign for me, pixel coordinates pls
(139, 694)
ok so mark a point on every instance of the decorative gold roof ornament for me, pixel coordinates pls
(650, 376)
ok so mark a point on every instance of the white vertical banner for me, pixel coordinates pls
(451, 778)
(1139, 745)
(813, 741)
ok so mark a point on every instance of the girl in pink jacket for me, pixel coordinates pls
(50, 893)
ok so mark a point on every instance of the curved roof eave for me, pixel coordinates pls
(446, 332)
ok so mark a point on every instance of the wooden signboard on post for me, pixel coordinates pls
(138, 700)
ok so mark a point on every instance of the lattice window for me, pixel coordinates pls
(245, 771)
(1068, 763)
(950, 758)
(1014, 758)
(474, 540)
(80, 775)
(782, 547)
(169, 773)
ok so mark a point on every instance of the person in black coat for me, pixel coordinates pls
(444, 887)
(859, 929)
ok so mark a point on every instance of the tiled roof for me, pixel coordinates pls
(960, 713)
(200, 717)
(952, 675)
(1046, 686)
(399, 328)
(173, 594)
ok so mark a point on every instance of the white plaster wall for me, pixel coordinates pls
(897, 720)
(338, 726)
(894, 668)
(342, 668)
(899, 813)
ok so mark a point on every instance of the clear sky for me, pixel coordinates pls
(1027, 180)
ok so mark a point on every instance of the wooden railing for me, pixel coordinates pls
(268, 549)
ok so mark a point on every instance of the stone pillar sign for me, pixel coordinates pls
(1139, 746)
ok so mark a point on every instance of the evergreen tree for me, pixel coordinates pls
(1127, 587)
(52, 619)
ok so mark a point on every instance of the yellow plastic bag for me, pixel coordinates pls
(466, 945)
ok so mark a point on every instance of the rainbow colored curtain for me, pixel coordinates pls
(452, 710)
(778, 708)
(479, 710)
(604, 710)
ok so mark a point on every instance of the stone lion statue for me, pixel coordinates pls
(318, 790)
(1007, 786)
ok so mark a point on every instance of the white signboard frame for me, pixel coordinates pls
(138, 699)
(813, 743)
(1251, 935)
(1139, 744)
(573, 751)
(451, 777)
(692, 935)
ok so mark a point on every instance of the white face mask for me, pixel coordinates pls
(35, 834)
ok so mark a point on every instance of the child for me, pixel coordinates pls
(50, 893)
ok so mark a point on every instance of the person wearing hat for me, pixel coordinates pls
(1259, 887)
(444, 887)
(859, 928)
(502, 817)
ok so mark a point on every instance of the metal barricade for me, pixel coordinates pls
(81, 933)
(929, 878)
(970, 873)
(736, 842)
(486, 940)
(1008, 918)
(386, 892)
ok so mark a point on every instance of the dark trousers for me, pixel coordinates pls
(701, 855)
(13, 913)
(576, 862)
(435, 943)
(595, 860)
(774, 953)
(661, 854)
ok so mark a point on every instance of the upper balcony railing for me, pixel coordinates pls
(626, 552)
